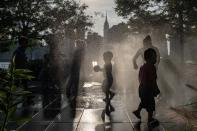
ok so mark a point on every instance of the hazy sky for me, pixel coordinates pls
(101, 7)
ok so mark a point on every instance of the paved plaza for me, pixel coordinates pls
(51, 111)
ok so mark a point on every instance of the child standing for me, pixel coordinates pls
(148, 88)
(108, 80)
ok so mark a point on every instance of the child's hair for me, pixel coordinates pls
(108, 55)
(149, 53)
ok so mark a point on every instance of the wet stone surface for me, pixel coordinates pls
(51, 112)
(88, 116)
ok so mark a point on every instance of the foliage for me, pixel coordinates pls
(23, 17)
(181, 13)
(66, 17)
(12, 94)
(38, 19)
(154, 12)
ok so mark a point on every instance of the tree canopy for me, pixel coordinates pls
(39, 18)
(157, 12)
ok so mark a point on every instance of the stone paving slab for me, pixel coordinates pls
(90, 120)
(105, 127)
(57, 116)
(46, 115)
(172, 127)
(62, 127)
(119, 116)
(65, 116)
(34, 127)
(92, 116)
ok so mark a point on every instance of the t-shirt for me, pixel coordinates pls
(148, 75)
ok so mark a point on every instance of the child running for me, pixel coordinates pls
(108, 81)
(148, 88)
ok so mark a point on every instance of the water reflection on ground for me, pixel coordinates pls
(51, 110)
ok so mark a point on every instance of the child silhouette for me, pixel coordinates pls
(108, 80)
(148, 88)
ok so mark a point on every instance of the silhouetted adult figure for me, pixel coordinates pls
(107, 82)
(19, 60)
(73, 82)
(147, 43)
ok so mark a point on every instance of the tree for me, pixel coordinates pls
(179, 14)
(67, 17)
(23, 17)
(182, 16)
(39, 18)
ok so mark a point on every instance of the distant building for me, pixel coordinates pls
(106, 29)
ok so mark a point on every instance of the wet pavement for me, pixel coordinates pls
(51, 111)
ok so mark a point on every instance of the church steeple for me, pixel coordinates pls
(106, 28)
(106, 20)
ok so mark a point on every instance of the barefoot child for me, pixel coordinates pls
(108, 80)
(148, 88)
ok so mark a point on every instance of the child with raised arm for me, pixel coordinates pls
(108, 80)
(148, 88)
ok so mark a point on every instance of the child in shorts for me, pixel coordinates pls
(148, 88)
